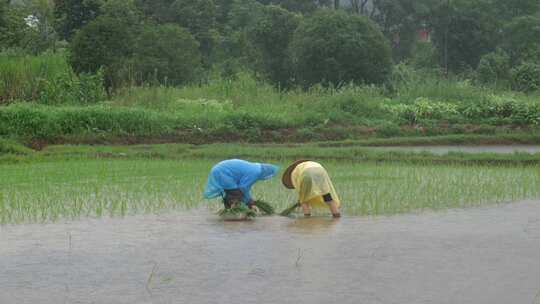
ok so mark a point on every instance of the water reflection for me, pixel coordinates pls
(459, 256)
(313, 225)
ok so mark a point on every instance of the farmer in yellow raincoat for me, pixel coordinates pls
(313, 185)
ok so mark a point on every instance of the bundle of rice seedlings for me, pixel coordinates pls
(289, 210)
(237, 212)
(265, 207)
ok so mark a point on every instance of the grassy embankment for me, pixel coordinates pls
(45, 103)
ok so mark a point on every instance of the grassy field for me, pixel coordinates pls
(79, 181)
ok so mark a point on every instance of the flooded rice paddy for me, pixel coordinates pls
(49, 191)
(138, 231)
(478, 255)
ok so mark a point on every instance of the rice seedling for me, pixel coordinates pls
(265, 207)
(290, 209)
(48, 190)
(238, 212)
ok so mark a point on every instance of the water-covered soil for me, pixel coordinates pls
(479, 255)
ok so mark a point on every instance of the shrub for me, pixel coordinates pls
(526, 77)
(103, 43)
(494, 68)
(424, 109)
(333, 47)
(166, 54)
(389, 130)
(424, 56)
(107, 42)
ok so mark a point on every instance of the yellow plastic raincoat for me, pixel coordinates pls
(311, 181)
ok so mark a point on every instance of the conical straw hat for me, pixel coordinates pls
(286, 178)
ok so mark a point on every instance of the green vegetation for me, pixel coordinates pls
(200, 71)
(47, 79)
(264, 207)
(237, 212)
(263, 71)
(335, 48)
(66, 182)
(338, 151)
(74, 109)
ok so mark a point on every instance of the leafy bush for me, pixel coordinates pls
(424, 56)
(526, 77)
(494, 68)
(333, 47)
(103, 43)
(166, 54)
(492, 110)
(423, 109)
(107, 42)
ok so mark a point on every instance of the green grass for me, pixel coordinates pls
(73, 182)
(338, 151)
(48, 103)
(23, 77)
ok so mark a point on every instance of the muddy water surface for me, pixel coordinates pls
(485, 255)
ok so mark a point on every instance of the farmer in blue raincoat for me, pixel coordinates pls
(232, 180)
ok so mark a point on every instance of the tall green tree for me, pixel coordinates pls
(108, 42)
(297, 6)
(464, 31)
(44, 34)
(510, 9)
(13, 29)
(157, 10)
(71, 15)
(522, 39)
(333, 47)
(400, 21)
(272, 34)
(199, 17)
(166, 54)
(3, 9)
(236, 49)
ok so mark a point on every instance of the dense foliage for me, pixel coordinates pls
(286, 42)
(266, 70)
(335, 48)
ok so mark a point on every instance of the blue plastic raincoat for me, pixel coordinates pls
(236, 174)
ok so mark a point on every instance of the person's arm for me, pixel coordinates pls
(248, 200)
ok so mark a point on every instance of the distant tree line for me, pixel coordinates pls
(287, 42)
